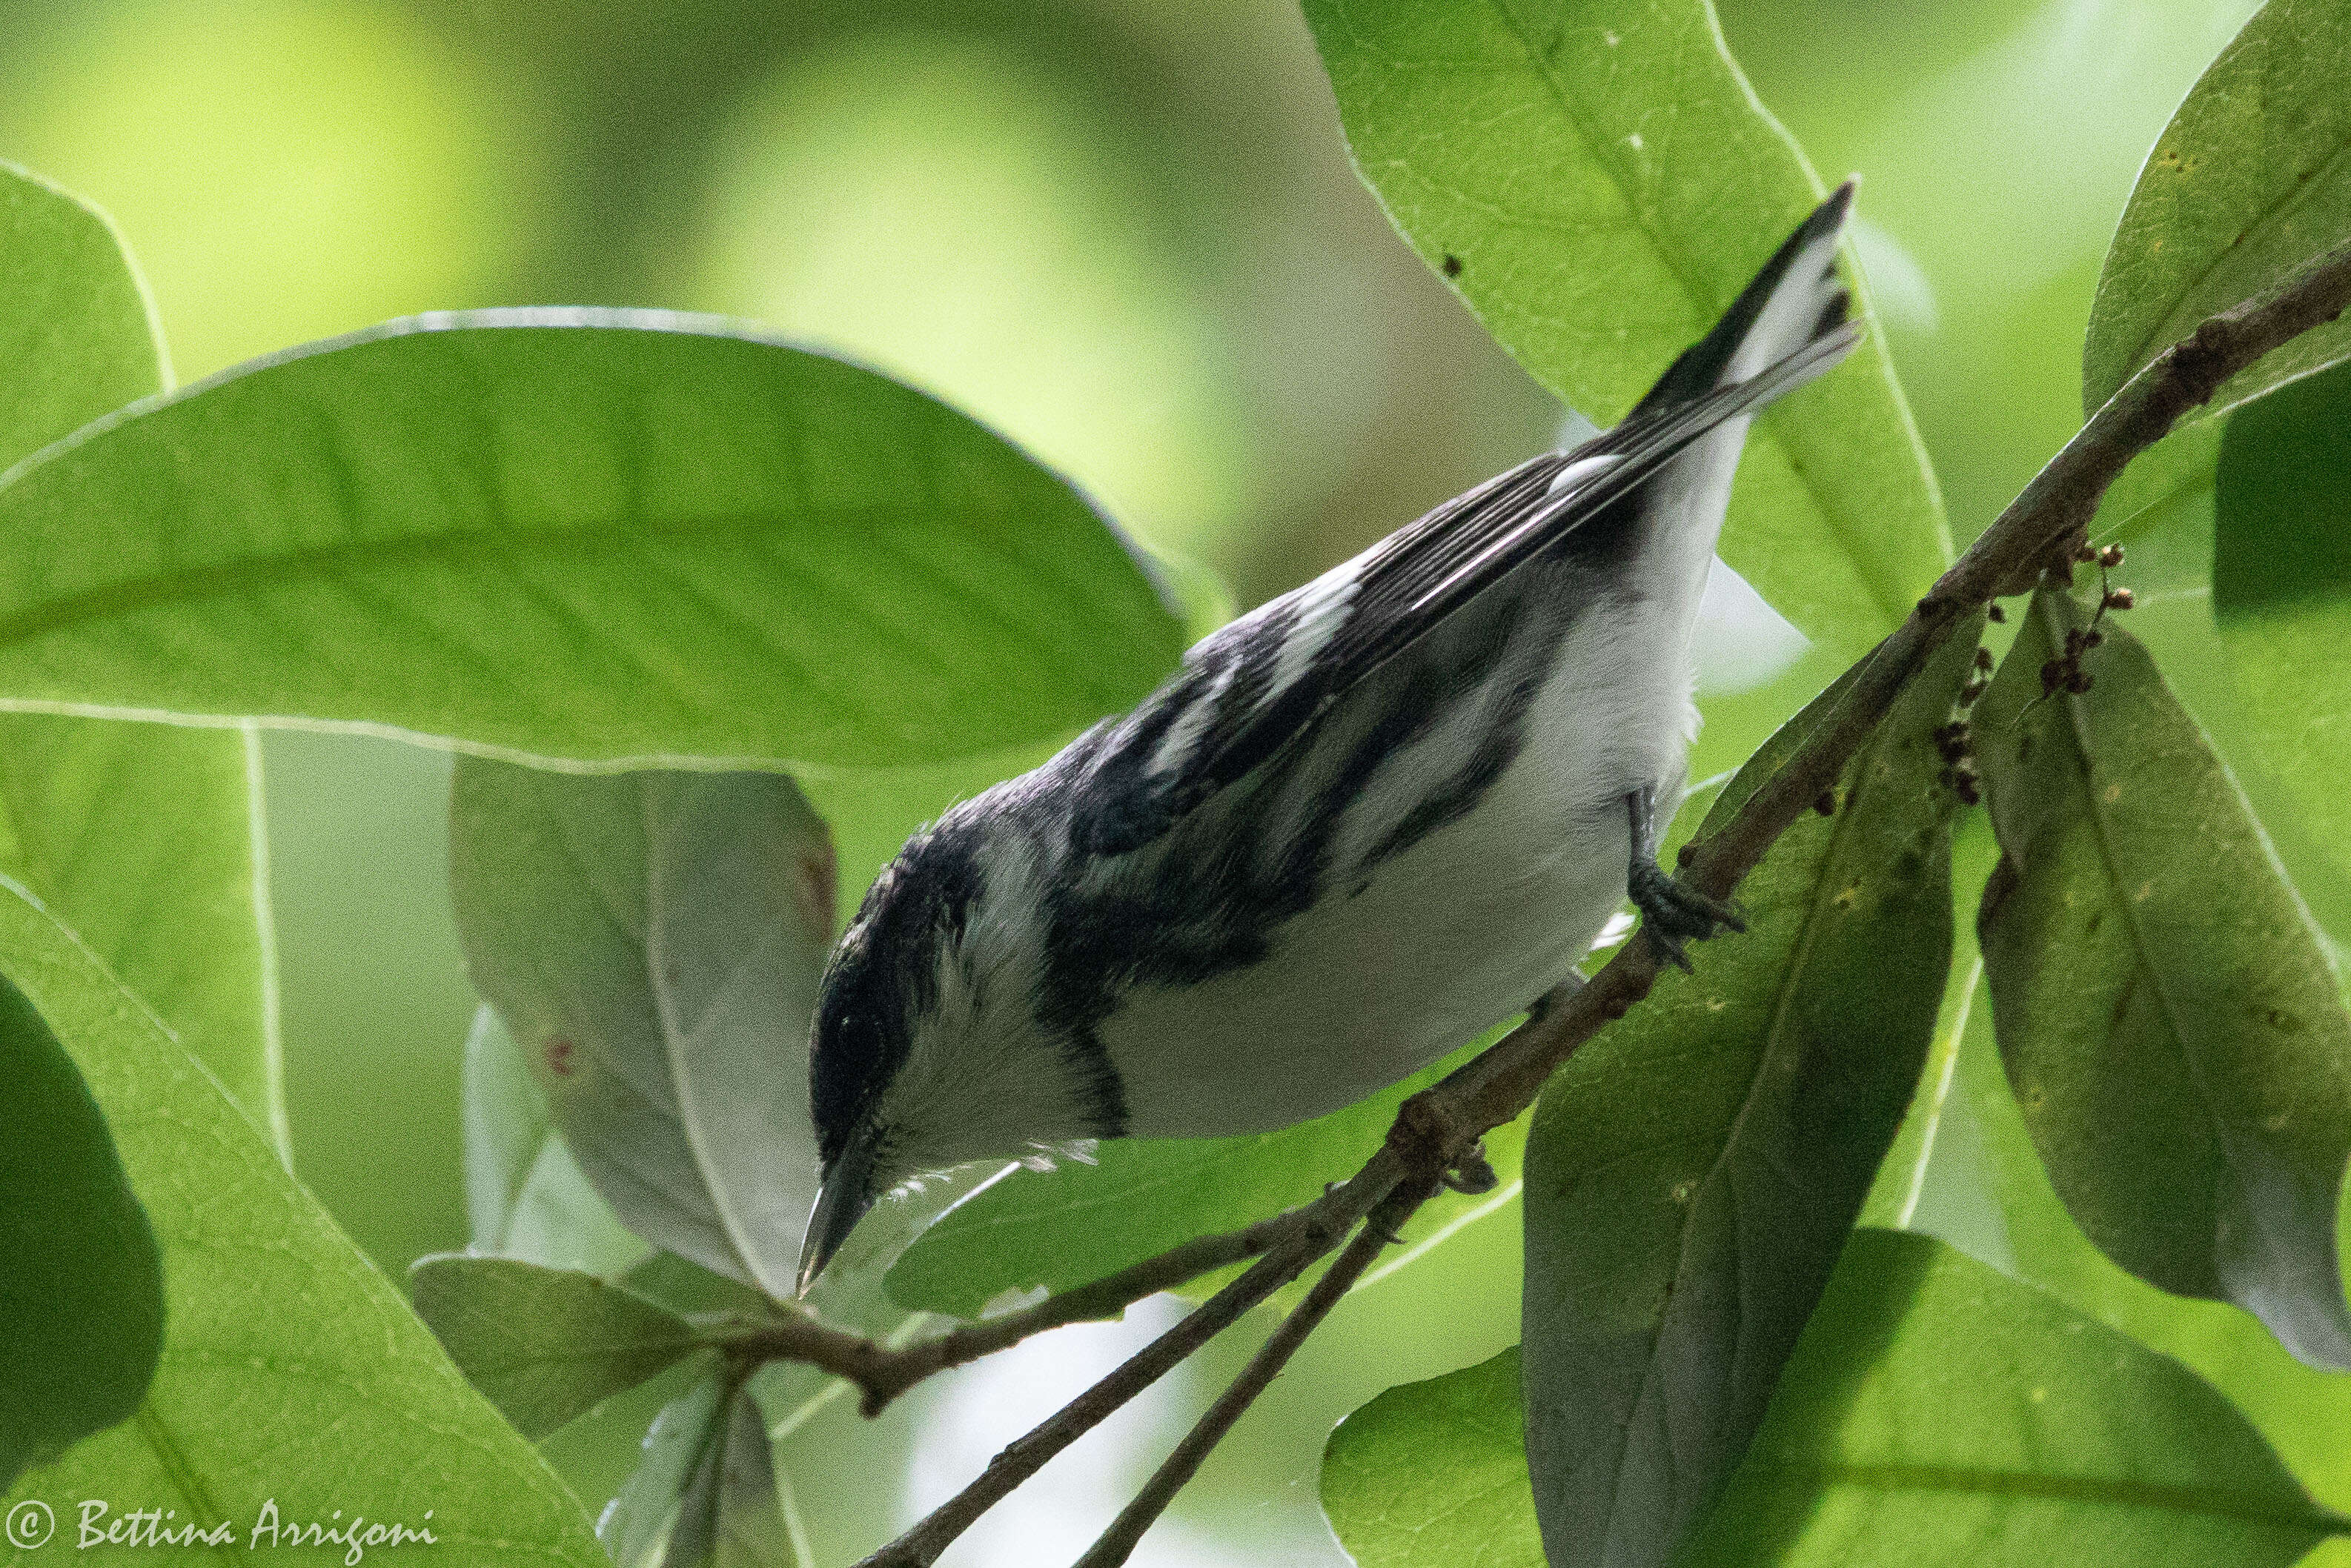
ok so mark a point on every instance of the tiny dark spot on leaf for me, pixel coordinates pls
(1451, 265)
(558, 1056)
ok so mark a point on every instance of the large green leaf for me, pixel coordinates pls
(2172, 1031)
(1599, 182)
(145, 839)
(545, 1346)
(654, 940)
(1139, 1196)
(1677, 1240)
(291, 1369)
(1934, 1414)
(1989, 1194)
(2282, 591)
(1938, 1413)
(579, 534)
(78, 332)
(81, 1285)
(2249, 182)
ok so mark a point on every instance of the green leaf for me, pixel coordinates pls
(2162, 484)
(291, 1369)
(1435, 1473)
(1990, 1195)
(78, 332)
(655, 940)
(1676, 1241)
(1140, 1196)
(546, 1346)
(2282, 592)
(145, 839)
(2249, 184)
(1598, 183)
(525, 1196)
(578, 533)
(81, 1285)
(1938, 1414)
(730, 1515)
(1933, 1414)
(2171, 1029)
(636, 1526)
(1896, 1191)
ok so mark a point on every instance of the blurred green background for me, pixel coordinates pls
(1123, 231)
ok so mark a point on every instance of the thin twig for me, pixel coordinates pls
(882, 1371)
(1118, 1543)
(1329, 1221)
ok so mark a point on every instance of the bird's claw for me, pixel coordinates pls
(1672, 912)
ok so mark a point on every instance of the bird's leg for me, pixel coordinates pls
(1671, 913)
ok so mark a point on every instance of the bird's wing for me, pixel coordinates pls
(1246, 692)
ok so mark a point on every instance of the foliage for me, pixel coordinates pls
(716, 621)
(105, 823)
(81, 1284)
(1676, 1245)
(2246, 183)
(274, 1325)
(1933, 1413)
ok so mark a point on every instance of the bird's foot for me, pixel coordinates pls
(1673, 912)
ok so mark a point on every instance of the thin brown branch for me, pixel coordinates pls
(1118, 1543)
(883, 1372)
(1327, 1223)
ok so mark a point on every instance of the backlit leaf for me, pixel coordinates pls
(1598, 183)
(143, 837)
(2248, 184)
(579, 534)
(1934, 1414)
(81, 1286)
(2172, 1031)
(544, 1345)
(293, 1375)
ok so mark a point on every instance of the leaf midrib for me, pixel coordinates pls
(2109, 1491)
(2077, 721)
(241, 576)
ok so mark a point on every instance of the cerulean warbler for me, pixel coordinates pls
(1361, 825)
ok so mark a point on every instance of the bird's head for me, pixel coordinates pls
(927, 1049)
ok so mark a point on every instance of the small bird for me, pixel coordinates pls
(1360, 826)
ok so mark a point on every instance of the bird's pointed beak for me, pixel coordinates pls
(841, 1202)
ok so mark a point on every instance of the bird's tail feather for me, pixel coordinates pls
(1796, 299)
